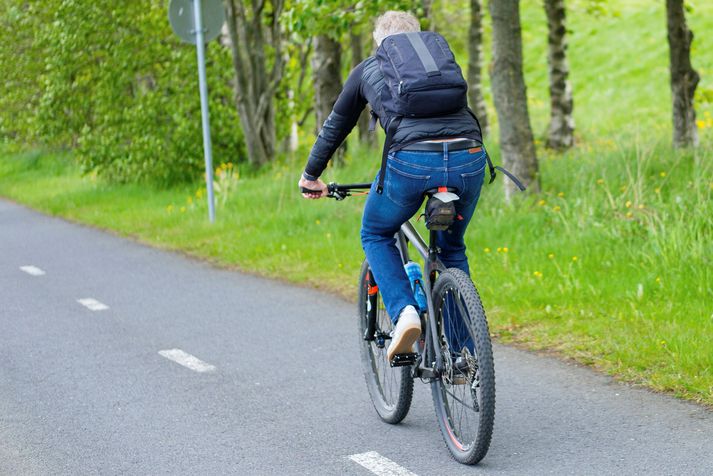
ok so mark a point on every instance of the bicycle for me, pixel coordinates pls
(454, 353)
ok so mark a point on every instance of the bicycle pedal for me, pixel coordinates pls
(403, 360)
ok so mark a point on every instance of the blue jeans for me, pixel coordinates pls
(408, 175)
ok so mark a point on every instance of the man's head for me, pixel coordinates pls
(393, 22)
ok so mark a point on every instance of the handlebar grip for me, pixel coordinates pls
(309, 190)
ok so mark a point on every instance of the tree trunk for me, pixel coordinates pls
(428, 14)
(327, 79)
(684, 78)
(560, 133)
(356, 41)
(510, 96)
(475, 65)
(252, 40)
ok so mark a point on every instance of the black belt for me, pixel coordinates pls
(438, 146)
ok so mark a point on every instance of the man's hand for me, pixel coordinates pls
(317, 185)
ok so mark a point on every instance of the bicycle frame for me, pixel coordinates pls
(432, 266)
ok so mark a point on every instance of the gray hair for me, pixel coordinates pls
(393, 22)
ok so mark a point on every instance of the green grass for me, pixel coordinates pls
(636, 302)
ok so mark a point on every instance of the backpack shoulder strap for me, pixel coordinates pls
(390, 131)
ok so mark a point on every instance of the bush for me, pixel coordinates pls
(118, 85)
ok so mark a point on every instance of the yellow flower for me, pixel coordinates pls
(574, 258)
(317, 222)
(600, 181)
(663, 343)
(662, 174)
(561, 194)
(169, 208)
(183, 209)
(658, 280)
(701, 124)
(628, 204)
(537, 274)
(505, 249)
(541, 203)
(551, 256)
(641, 206)
(499, 249)
(658, 190)
(556, 208)
(629, 214)
(487, 250)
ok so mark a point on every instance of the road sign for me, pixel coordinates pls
(181, 14)
(197, 22)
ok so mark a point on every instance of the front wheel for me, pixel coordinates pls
(390, 388)
(464, 395)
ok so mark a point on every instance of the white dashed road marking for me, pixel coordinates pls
(379, 465)
(187, 360)
(92, 304)
(33, 270)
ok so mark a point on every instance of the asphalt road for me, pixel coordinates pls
(278, 388)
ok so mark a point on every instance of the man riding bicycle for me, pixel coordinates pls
(426, 149)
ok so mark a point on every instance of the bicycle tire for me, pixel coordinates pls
(463, 390)
(390, 388)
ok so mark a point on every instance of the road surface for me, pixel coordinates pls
(116, 358)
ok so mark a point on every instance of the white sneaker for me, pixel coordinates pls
(406, 332)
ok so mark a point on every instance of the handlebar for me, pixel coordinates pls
(339, 192)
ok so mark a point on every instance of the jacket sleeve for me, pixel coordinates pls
(340, 122)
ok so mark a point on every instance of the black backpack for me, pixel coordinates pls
(422, 79)
(421, 75)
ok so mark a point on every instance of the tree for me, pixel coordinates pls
(111, 81)
(256, 43)
(475, 64)
(326, 77)
(335, 19)
(510, 96)
(560, 132)
(356, 42)
(428, 19)
(684, 78)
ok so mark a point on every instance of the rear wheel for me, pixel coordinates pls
(464, 395)
(390, 388)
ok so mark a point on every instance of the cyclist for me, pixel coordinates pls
(424, 153)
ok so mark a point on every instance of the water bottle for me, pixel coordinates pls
(413, 270)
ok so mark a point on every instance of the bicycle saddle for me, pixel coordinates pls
(444, 194)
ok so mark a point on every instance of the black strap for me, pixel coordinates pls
(390, 131)
(372, 121)
(512, 177)
(429, 64)
(509, 175)
(491, 169)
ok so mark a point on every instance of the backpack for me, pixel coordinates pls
(421, 75)
(421, 79)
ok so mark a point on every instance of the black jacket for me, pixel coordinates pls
(364, 85)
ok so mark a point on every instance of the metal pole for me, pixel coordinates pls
(203, 87)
